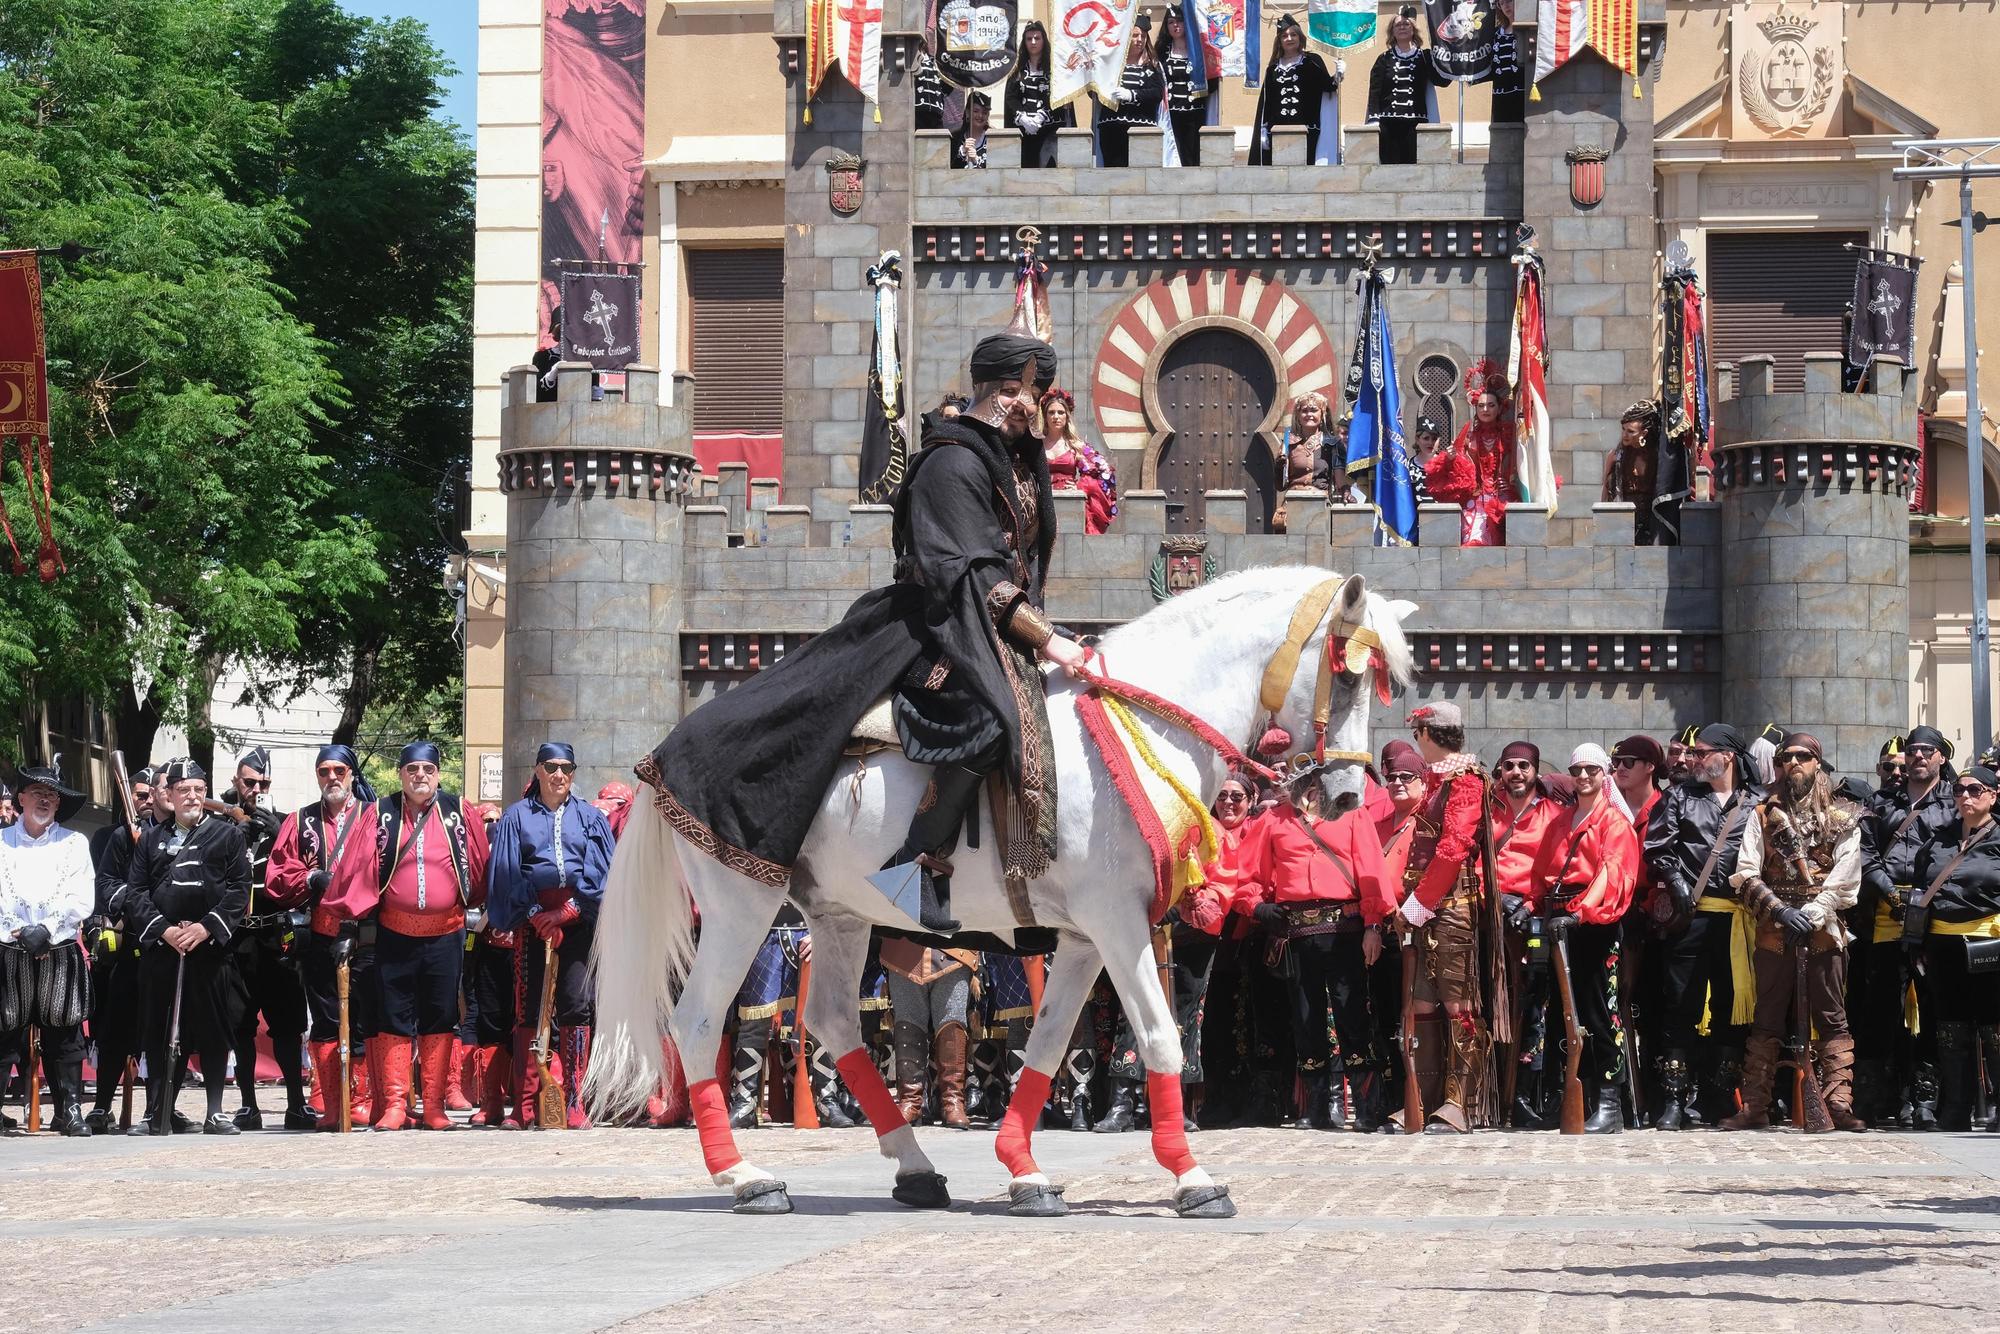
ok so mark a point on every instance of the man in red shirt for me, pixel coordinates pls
(1518, 822)
(1321, 892)
(1445, 890)
(429, 867)
(1586, 871)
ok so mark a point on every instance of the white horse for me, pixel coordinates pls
(1206, 651)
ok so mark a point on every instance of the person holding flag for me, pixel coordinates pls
(1376, 457)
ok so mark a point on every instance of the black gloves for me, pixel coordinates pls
(1798, 927)
(1268, 915)
(34, 940)
(318, 882)
(1560, 923)
(1516, 911)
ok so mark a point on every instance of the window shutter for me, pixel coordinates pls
(1779, 293)
(736, 303)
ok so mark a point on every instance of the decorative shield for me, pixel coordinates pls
(1183, 563)
(843, 183)
(1586, 175)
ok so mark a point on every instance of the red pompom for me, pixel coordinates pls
(1275, 741)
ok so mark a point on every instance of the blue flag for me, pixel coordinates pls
(1197, 52)
(1375, 436)
(1253, 42)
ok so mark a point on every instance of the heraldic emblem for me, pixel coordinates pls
(1586, 175)
(1183, 563)
(1787, 87)
(843, 183)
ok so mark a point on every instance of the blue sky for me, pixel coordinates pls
(454, 26)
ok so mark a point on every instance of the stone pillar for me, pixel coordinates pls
(596, 495)
(1815, 493)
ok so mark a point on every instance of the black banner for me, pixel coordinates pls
(600, 319)
(1883, 319)
(974, 41)
(1461, 38)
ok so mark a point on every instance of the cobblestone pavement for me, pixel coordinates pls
(619, 1228)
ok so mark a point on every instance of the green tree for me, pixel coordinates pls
(259, 370)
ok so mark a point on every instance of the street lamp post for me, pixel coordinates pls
(1962, 160)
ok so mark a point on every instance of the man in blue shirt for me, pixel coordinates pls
(551, 852)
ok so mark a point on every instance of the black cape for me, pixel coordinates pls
(742, 776)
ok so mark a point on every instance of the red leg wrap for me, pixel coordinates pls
(1023, 1110)
(864, 1081)
(1170, 1146)
(711, 1119)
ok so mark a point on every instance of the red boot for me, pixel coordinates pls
(392, 1080)
(326, 1076)
(496, 1073)
(464, 1070)
(440, 1071)
(527, 1081)
(673, 1095)
(363, 1079)
(575, 1048)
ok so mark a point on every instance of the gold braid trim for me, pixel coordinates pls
(703, 838)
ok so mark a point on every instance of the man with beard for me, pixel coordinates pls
(1892, 1080)
(1519, 823)
(1637, 765)
(1798, 870)
(47, 888)
(1690, 849)
(114, 955)
(1584, 878)
(1680, 754)
(264, 957)
(327, 842)
(189, 884)
(1443, 908)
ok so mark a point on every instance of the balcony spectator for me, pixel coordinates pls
(1027, 103)
(1188, 106)
(1476, 472)
(1298, 90)
(1136, 99)
(1424, 449)
(1401, 89)
(968, 146)
(1311, 457)
(1074, 465)
(940, 106)
(1510, 80)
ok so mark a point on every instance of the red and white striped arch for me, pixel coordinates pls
(1151, 322)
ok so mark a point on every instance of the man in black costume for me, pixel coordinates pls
(114, 969)
(266, 958)
(954, 640)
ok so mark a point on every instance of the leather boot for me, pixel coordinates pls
(746, 1078)
(463, 1059)
(1836, 1081)
(1923, 1106)
(435, 1058)
(325, 1057)
(66, 1092)
(950, 1050)
(575, 1048)
(1609, 1118)
(1083, 1064)
(1874, 1090)
(1122, 1114)
(1955, 1075)
(1989, 1041)
(1760, 1068)
(1330, 1112)
(496, 1073)
(527, 1081)
(1465, 1065)
(982, 1066)
(1370, 1098)
(933, 834)
(1673, 1071)
(391, 1056)
(362, 1080)
(825, 1081)
(1721, 1091)
(912, 1065)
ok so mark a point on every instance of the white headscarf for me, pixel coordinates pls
(1593, 754)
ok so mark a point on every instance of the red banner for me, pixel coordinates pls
(24, 370)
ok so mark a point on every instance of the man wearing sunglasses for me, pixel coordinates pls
(1952, 919)
(1798, 870)
(114, 955)
(551, 852)
(1519, 822)
(1893, 1078)
(321, 850)
(1690, 848)
(265, 960)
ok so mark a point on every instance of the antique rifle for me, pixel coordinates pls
(805, 1112)
(1413, 1092)
(550, 1113)
(119, 776)
(1572, 1103)
(167, 1076)
(131, 1081)
(343, 980)
(1163, 964)
(1813, 1117)
(34, 1078)
(1628, 1016)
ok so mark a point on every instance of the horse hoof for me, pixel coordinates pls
(921, 1190)
(1204, 1202)
(1036, 1202)
(762, 1197)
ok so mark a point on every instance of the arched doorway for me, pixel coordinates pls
(1216, 388)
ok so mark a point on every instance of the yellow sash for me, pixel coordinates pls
(1984, 928)
(1742, 977)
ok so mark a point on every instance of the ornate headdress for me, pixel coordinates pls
(1057, 395)
(1645, 410)
(1486, 377)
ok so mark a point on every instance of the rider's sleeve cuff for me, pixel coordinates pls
(1016, 617)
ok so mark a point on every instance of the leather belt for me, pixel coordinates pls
(1319, 918)
(421, 925)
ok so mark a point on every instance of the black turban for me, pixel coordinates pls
(419, 752)
(1721, 736)
(1005, 355)
(257, 760)
(1928, 736)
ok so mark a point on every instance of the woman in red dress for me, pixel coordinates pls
(1074, 465)
(1477, 472)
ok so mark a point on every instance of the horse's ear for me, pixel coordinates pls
(1401, 608)
(1352, 592)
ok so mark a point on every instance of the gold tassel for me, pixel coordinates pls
(1638, 93)
(1535, 93)
(878, 113)
(809, 113)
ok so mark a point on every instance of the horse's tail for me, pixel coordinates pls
(643, 950)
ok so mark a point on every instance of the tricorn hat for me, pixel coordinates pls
(69, 800)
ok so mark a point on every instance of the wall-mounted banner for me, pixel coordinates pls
(1883, 322)
(600, 319)
(974, 44)
(1087, 44)
(1461, 38)
(593, 139)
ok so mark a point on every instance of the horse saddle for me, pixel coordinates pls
(875, 730)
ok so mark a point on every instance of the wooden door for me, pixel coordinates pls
(1216, 388)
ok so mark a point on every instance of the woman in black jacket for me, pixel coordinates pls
(1961, 917)
(1399, 88)
(1136, 99)
(1298, 90)
(1187, 99)
(1027, 105)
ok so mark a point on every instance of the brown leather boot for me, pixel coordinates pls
(438, 1067)
(391, 1056)
(464, 1071)
(1836, 1081)
(496, 1072)
(912, 1061)
(1462, 1079)
(1760, 1067)
(951, 1077)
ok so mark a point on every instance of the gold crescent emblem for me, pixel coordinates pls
(15, 395)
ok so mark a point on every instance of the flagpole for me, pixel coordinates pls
(1461, 122)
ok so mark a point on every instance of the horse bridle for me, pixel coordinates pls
(1357, 648)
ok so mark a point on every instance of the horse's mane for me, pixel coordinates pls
(1215, 607)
